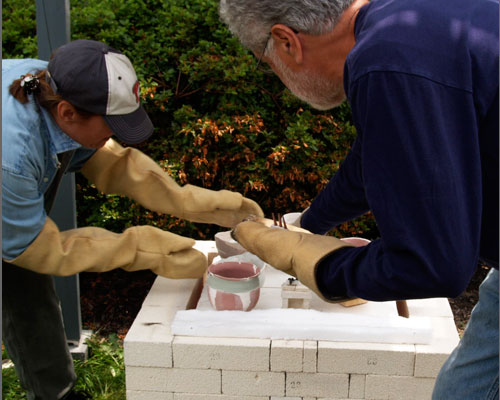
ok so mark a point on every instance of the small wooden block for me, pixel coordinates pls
(353, 302)
(297, 303)
(296, 295)
(295, 286)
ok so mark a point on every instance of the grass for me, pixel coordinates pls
(101, 376)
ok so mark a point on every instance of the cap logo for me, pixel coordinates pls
(135, 90)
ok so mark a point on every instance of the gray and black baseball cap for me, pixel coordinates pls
(99, 79)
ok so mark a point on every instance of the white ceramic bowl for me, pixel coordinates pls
(226, 245)
(292, 218)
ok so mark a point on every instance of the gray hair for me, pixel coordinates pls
(251, 21)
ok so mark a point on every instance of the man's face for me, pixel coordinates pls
(316, 90)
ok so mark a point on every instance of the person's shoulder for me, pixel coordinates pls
(21, 143)
(427, 39)
(22, 65)
(20, 132)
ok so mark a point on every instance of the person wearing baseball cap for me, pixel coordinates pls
(60, 116)
(100, 80)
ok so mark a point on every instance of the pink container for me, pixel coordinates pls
(234, 285)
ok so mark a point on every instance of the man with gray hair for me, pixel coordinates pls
(421, 78)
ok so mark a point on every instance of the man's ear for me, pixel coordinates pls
(66, 112)
(286, 43)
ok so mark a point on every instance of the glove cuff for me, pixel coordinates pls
(305, 269)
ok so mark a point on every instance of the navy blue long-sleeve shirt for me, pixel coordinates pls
(422, 83)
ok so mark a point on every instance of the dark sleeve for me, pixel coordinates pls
(420, 169)
(342, 199)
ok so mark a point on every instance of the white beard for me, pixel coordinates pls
(317, 91)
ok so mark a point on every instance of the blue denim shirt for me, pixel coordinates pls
(31, 141)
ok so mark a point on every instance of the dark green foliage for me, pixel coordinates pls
(220, 123)
(19, 29)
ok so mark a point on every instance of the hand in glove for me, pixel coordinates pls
(127, 171)
(98, 250)
(295, 252)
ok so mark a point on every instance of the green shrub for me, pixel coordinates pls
(19, 29)
(220, 123)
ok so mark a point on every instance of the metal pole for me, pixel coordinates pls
(53, 30)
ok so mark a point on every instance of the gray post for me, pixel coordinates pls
(68, 288)
(53, 30)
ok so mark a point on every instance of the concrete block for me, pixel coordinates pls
(80, 350)
(149, 341)
(170, 294)
(148, 353)
(146, 379)
(430, 358)
(162, 367)
(173, 380)
(292, 398)
(287, 355)
(285, 398)
(246, 383)
(317, 385)
(310, 358)
(428, 364)
(366, 358)
(193, 380)
(434, 307)
(357, 386)
(221, 353)
(150, 315)
(191, 396)
(148, 395)
(380, 387)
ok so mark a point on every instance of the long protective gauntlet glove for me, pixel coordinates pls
(127, 171)
(296, 253)
(98, 250)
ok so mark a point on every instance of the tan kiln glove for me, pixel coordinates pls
(295, 252)
(98, 250)
(127, 171)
